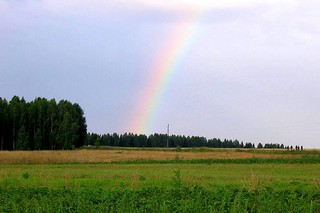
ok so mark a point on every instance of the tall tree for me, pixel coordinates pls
(3, 122)
(23, 139)
(14, 118)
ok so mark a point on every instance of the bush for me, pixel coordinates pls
(25, 175)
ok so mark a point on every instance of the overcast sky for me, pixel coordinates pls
(252, 72)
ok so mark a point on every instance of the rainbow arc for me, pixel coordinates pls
(166, 65)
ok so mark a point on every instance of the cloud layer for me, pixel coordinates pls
(252, 72)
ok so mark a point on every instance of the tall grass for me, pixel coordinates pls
(155, 199)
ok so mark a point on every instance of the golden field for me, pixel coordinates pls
(95, 156)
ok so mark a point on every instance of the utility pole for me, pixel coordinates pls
(168, 136)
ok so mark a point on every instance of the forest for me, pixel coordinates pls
(162, 140)
(41, 124)
(47, 125)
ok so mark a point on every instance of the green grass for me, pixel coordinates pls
(134, 176)
(302, 160)
(306, 152)
(155, 199)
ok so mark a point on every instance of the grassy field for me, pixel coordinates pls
(136, 176)
(122, 180)
(90, 155)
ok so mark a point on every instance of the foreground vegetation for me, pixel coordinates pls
(137, 176)
(155, 199)
(160, 181)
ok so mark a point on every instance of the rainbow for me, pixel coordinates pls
(162, 72)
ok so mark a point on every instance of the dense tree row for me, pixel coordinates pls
(46, 125)
(161, 140)
(41, 124)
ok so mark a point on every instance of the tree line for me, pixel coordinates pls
(162, 140)
(41, 124)
(47, 125)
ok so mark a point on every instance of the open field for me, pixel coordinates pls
(159, 180)
(135, 176)
(113, 155)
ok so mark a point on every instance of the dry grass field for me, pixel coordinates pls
(95, 156)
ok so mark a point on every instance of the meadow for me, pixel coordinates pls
(160, 180)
